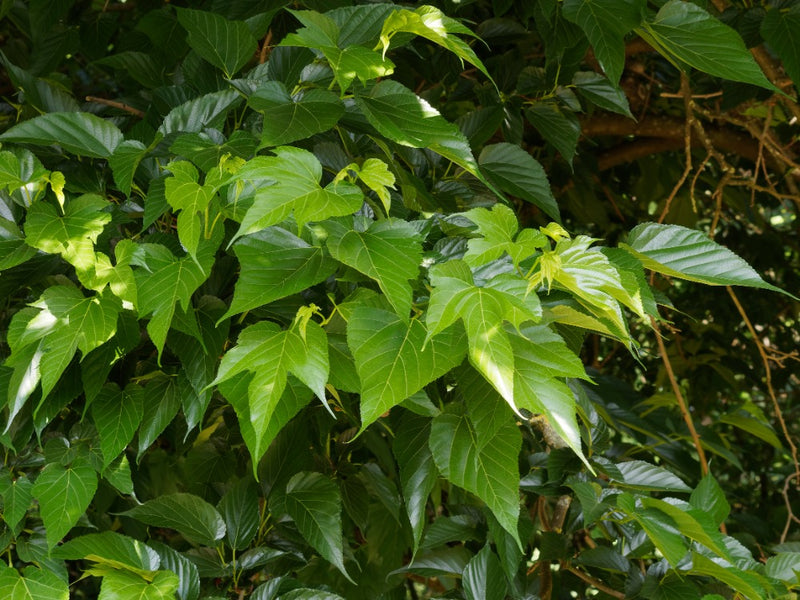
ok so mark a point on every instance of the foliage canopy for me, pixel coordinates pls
(332, 299)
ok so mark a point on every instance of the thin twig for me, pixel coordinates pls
(114, 104)
(265, 48)
(596, 583)
(687, 145)
(768, 380)
(687, 417)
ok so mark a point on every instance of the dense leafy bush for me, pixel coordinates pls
(292, 311)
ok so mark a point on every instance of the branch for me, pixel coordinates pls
(114, 104)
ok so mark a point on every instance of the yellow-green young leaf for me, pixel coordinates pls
(605, 23)
(124, 585)
(21, 168)
(692, 523)
(376, 176)
(401, 116)
(33, 584)
(227, 45)
(64, 494)
(117, 414)
(44, 337)
(314, 503)
(431, 23)
(79, 133)
(191, 516)
(288, 119)
(481, 457)
(296, 173)
(275, 264)
(688, 35)
(184, 194)
(389, 252)
(392, 359)
(689, 254)
(269, 354)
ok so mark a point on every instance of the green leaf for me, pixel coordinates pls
(447, 561)
(314, 503)
(483, 577)
(498, 227)
(200, 113)
(483, 311)
(605, 23)
(709, 497)
(602, 93)
(432, 24)
(161, 400)
(689, 254)
(112, 550)
(13, 249)
(481, 457)
(558, 127)
(17, 496)
(117, 414)
(227, 45)
(191, 516)
(288, 119)
(64, 494)
(743, 582)
(643, 476)
(418, 473)
(692, 523)
(392, 359)
(779, 29)
(141, 66)
(308, 594)
(124, 585)
(659, 527)
(403, 117)
(517, 173)
(784, 566)
(239, 510)
(541, 358)
(389, 252)
(72, 235)
(275, 264)
(376, 176)
(269, 354)
(35, 584)
(189, 586)
(124, 161)
(686, 34)
(45, 337)
(296, 173)
(79, 133)
(167, 281)
(184, 194)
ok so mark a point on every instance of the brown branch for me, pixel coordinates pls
(265, 48)
(596, 583)
(687, 417)
(688, 107)
(114, 104)
(772, 70)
